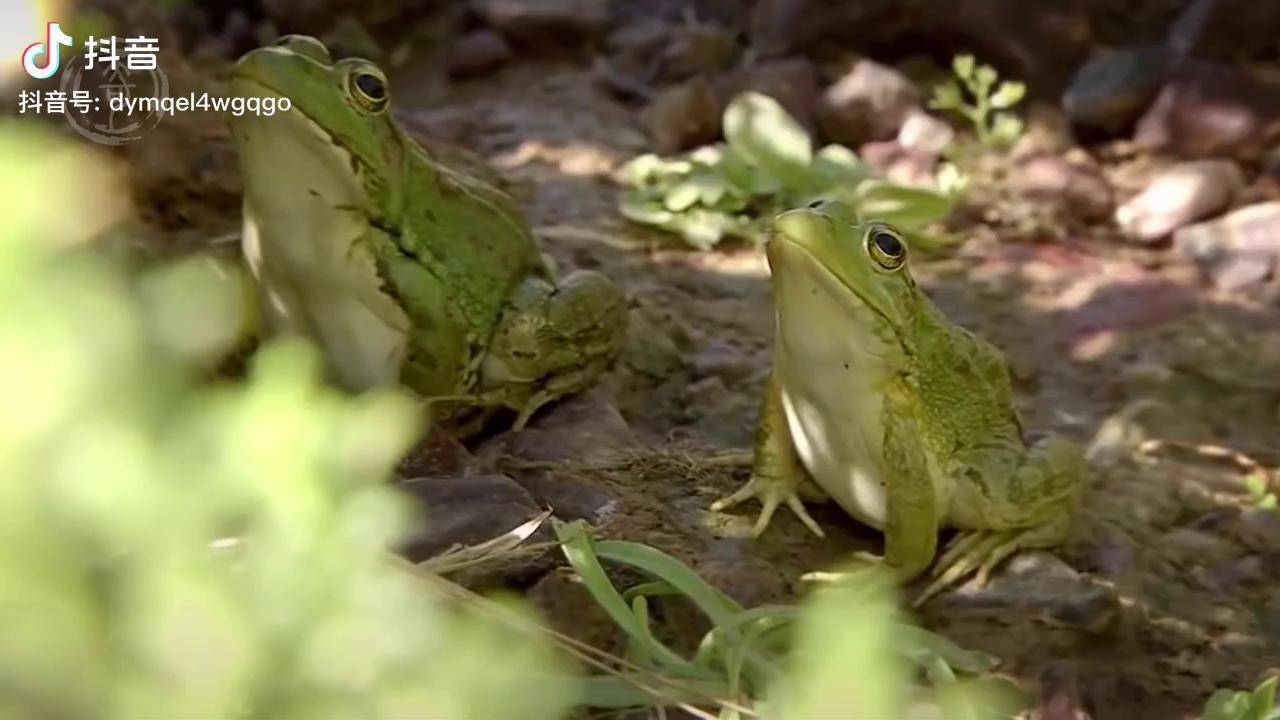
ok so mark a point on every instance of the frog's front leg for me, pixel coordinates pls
(776, 473)
(912, 510)
(1030, 507)
(553, 340)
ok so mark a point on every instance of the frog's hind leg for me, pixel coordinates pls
(978, 552)
(1032, 510)
(553, 340)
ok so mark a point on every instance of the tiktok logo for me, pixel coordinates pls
(50, 49)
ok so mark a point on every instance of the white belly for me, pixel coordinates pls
(303, 248)
(330, 298)
(832, 408)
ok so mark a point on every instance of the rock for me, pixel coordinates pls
(584, 428)
(925, 133)
(465, 510)
(698, 49)
(439, 453)
(570, 496)
(1040, 581)
(545, 23)
(477, 53)
(1112, 90)
(783, 27)
(1080, 190)
(1038, 42)
(1237, 250)
(1258, 529)
(793, 83)
(349, 38)
(1189, 546)
(870, 102)
(719, 359)
(1240, 29)
(1059, 694)
(1045, 130)
(1182, 194)
(1212, 110)
(683, 116)
(899, 164)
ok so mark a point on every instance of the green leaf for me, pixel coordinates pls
(946, 96)
(718, 606)
(1006, 129)
(984, 78)
(607, 691)
(1008, 94)
(579, 550)
(639, 206)
(641, 169)
(1227, 705)
(758, 128)
(921, 646)
(844, 663)
(1256, 484)
(963, 66)
(906, 207)
(838, 164)
(1268, 502)
(682, 196)
(1263, 698)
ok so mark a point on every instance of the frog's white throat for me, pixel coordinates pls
(831, 367)
(300, 239)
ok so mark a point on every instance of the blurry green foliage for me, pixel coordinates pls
(974, 94)
(766, 165)
(1258, 704)
(848, 653)
(1259, 488)
(170, 548)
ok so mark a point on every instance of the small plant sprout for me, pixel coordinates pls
(982, 101)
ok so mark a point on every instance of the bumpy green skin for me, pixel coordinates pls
(942, 438)
(451, 253)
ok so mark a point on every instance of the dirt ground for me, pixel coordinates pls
(1166, 588)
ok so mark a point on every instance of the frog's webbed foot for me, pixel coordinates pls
(772, 491)
(978, 552)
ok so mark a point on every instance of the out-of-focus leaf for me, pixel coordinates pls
(963, 66)
(760, 130)
(682, 196)
(983, 78)
(839, 165)
(1227, 705)
(1008, 94)
(844, 664)
(908, 208)
(1006, 128)
(946, 96)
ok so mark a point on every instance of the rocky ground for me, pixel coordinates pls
(1126, 316)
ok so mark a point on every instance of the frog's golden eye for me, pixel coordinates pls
(885, 247)
(368, 88)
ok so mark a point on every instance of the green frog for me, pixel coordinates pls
(905, 419)
(400, 268)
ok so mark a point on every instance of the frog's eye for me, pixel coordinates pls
(368, 88)
(885, 247)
